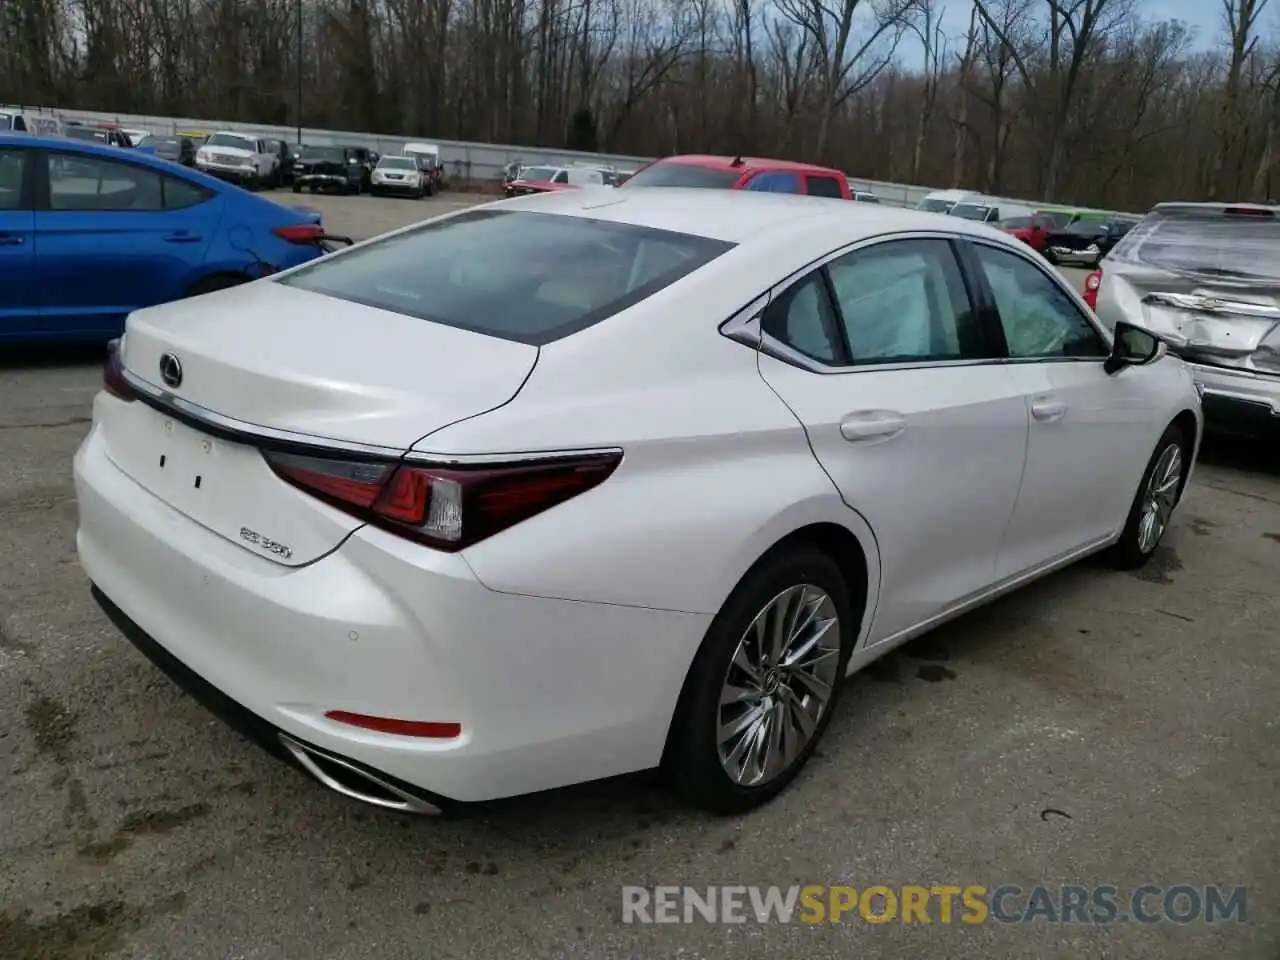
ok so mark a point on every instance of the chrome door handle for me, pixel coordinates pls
(1047, 411)
(871, 425)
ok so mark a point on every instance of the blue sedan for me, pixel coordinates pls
(90, 233)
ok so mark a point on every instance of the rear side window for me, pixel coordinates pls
(684, 175)
(1209, 242)
(825, 187)
(558, 274)
(775, 182)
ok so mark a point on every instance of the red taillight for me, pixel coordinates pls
(405, 728)
(1091, 285)
(448, 508)
(301, 233)
(113, 380)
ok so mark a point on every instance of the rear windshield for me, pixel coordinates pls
(398, 163)
(87, 133)
(1207, 242)
(684, 175)
(935, 205)
(1087, 228)
(167, 145)
(230, 140)
(323, 153)
(559, 274)
(971, 211)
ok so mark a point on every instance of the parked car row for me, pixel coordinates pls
(90, 233)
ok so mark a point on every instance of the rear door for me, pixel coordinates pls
(886, 363)
(113, 237)
(18, 302)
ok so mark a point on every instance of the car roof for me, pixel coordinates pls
(748, 164)
(743, 216)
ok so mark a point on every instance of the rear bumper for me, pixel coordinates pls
(1074, 256)
(548, 692)
(1238, 402)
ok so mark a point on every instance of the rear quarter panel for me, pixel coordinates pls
(716, 469)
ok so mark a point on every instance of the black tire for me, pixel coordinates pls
(431, 188)
(297, 187)
(1053, 261)
(1127, 553)
(691, 760)
(219, 281)
(312, 188)
(253, 183)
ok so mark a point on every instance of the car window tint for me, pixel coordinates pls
(560, 274)
(803, 320)
(904, 301)
(179, 194)
(11, 173)
(825, 187)
(775, 182)
(91, 183)
(1038, 317)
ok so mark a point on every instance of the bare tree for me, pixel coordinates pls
(1241, 18)
(842, 64)
(927, 28)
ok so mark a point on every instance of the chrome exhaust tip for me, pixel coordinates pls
(350, 781)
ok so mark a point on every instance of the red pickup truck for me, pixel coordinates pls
(742, 173)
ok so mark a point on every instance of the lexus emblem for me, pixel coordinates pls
(171, 370)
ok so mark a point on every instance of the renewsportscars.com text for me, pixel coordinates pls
(943, 904)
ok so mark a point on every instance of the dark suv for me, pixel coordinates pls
(344, 169)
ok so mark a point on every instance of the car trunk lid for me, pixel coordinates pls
(263, 364)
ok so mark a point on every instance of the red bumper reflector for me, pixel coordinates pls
(404, 728)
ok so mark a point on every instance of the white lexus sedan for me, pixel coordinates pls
(569, 486)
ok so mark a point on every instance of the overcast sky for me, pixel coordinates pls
(1203, 16)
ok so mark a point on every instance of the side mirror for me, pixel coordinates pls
(1132, 347)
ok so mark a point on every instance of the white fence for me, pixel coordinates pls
(463, 160)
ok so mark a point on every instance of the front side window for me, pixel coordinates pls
(904, 301)
(560, 274)
(537, 174)
(777, 181)
(1038, 317)
(562, 176)
(91, 183)
(12, 167)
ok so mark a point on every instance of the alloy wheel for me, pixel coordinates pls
(1160, 497)
(778, 685)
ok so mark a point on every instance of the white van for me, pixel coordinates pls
(990, 210)
(941, 201)
(40, 124)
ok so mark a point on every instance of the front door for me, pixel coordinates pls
(1083, 465)
(924, 436)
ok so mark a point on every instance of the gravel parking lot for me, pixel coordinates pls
(1097, 728)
